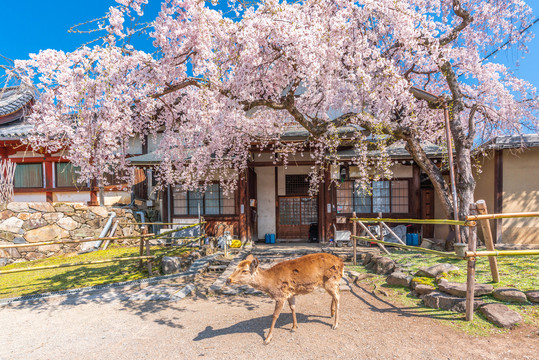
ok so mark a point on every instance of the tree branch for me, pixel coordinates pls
(466, 20)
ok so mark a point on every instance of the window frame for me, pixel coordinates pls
(56, 177)
(42, 181)
(220, 197)
(353, 198)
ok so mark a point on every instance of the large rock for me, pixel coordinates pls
(64, 208)
(46, 233)
(17, 206)
(99, 210)
(533, 296)
(53, 217)
(67, 223)
(384, 265)
(500, 315)
(399, 279)
(80, 207)
(83, 232)
(41, 206)
(34, 223)
(422, 289)
(6, 214)
(435, 270)
(459, 289)
(438, 300)
(9, 252)
(170, 265)
(367, 259)
(12, 225)
(509, 295)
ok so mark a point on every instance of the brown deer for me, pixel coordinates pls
(294, 277)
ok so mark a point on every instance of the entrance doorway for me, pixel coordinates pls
(295, 216)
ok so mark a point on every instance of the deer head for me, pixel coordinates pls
(245, 272)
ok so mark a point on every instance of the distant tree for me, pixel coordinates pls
(216, 83)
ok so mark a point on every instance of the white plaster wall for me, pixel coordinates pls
(265, 183)
(30, 197)
(154, 141)
(135, 146)
(71, 196)
(117, 197)
(25, 154)
(290, 170)
(402, 171)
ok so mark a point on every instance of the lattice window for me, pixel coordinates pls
(309, 211)
(211, 202)
(297, 184)
(386, 196)
(289, 210)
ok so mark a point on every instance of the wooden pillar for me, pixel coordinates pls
(243, 231)
(354, 240)
(415, 192)
(328, 207)
(470, 271)
(49, 179)
(498, 194)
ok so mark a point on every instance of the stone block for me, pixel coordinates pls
(399, 279)
(533, 296)
(384, 265)
(99, 210)
(41, 206)
(18, 207)
(64, 208)
(46, 233)
(6, 214)
(67, 223)
(422, 289)
(34, 224)
(80, 207)
(435, 270)
(12, 225)
(438, 300)
(170, 265)
(459, 289)
(509, 295)
(500, 315)
(53, 217)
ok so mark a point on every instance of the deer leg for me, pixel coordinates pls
(278, 308)
(334, 292)
(332, 307)
(292, 304)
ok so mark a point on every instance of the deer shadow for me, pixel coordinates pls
(259, 325)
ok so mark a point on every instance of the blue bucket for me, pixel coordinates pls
(412, 239)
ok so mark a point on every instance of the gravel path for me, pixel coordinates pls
(108, 325)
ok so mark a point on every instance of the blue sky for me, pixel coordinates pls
(28, 26)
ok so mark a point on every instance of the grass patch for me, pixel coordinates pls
(40, 281)
(518, 272)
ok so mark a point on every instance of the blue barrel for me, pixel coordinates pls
(267, 238)
(272, 238)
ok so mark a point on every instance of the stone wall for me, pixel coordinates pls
(23, 223)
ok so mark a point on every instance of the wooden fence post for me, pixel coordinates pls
(149, 262)
(354, 240)
(489, 241)
(380, 227)
(141, 246)
(470, 274)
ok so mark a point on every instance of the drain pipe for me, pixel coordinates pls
(94, 245)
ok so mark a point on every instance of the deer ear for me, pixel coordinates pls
(249, 257)
(254, 265)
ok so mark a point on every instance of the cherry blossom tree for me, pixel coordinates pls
(217, 82)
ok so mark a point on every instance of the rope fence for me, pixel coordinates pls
(479, 214)
(144, 244)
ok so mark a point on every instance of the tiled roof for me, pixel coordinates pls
(13, 99)
(15, 130)
(511, 142)
(396, 151)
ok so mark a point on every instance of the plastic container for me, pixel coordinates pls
(269, 239)
(412, 239)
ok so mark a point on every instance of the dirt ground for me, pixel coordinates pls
(108, 326)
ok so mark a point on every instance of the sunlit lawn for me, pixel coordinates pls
(519, 272)
(36, 282)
